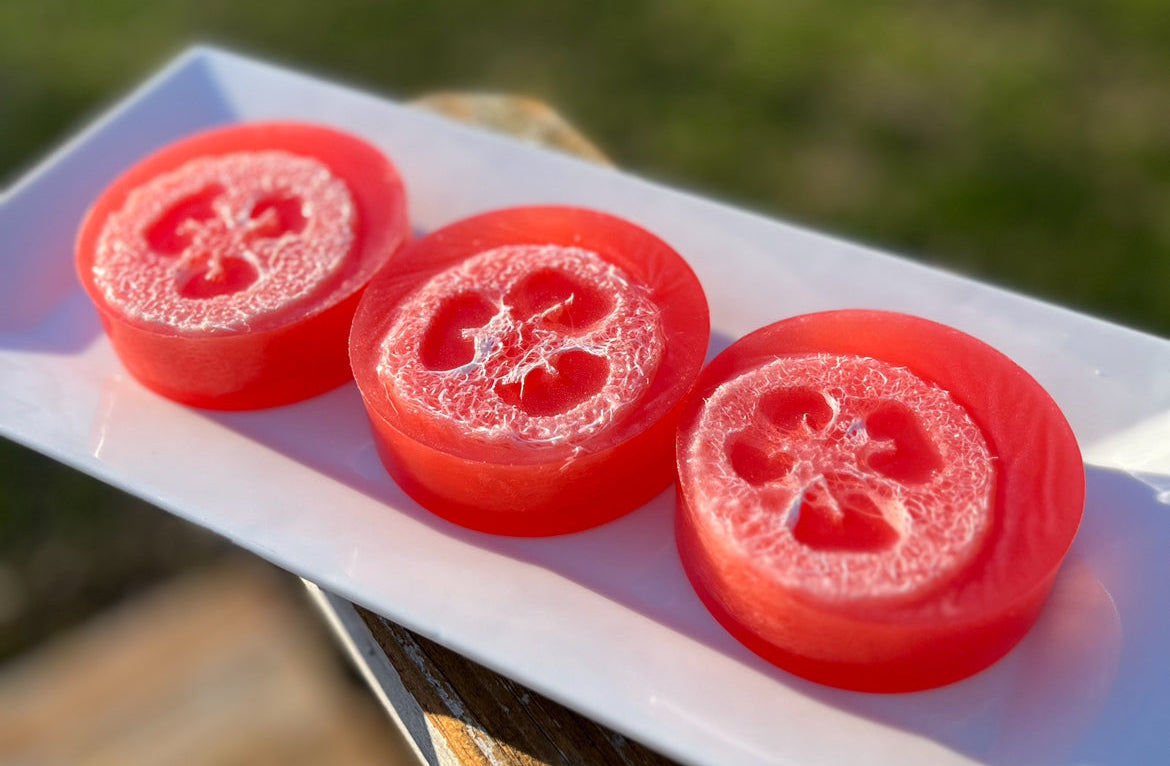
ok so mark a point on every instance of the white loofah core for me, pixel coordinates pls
(533, 344)
(223, 241)
(849, 478)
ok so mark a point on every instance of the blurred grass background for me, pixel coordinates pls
(1025, 144)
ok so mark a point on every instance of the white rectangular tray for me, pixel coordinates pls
(602, 621)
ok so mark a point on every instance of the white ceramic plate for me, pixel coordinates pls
(603, 621)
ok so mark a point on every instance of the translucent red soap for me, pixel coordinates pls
(874, 501)
(523, 369)
(226, 267)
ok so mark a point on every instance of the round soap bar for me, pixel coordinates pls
(523, 369)
(226, 268)
(872, 500)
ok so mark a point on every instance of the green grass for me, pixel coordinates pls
(1022, 144)
(1025, 144)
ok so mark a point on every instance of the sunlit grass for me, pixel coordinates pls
(1026, 146)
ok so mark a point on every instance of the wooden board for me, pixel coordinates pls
(478, 718)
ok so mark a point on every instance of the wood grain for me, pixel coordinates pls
(479, 718)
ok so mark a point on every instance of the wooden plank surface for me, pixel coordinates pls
(523, 118)
(475, 717)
